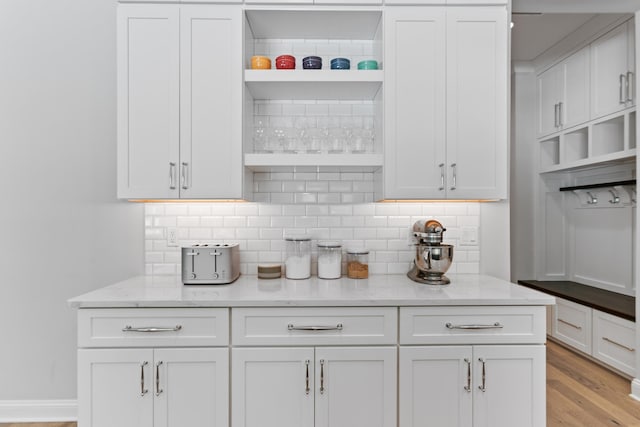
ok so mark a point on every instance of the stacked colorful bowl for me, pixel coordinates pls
(285, 62)
(340, 64)
(312, 63)
(368, 65)
(260, 63)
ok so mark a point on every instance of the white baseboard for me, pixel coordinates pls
(635, 389)
(16, 411)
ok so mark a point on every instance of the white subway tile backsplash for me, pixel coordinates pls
(260, 228)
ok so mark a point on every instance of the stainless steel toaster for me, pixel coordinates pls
(210, 264)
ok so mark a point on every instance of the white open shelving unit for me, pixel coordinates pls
(605, 140)
(293, 27)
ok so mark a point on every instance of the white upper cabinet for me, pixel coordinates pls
(446, 103)
(613, 71)
(211, 102)
(477, 81)
(148, 100)
(179, 101)
(563, 94)
(415, 97)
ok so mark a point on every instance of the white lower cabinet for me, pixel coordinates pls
(608, 338)
(469, 386)
(177, 387)
(307, 386)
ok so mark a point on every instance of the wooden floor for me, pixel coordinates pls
(580, 393)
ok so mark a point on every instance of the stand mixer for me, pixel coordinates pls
(433, 258)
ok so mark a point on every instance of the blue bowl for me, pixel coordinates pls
(340, 64)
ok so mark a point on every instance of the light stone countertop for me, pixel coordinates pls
(249, 291)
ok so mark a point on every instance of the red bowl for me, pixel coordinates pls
(286, 57)
(285, 62)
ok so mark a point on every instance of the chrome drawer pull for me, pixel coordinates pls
(158, 389)
(143, 390)
(496, 325)
(618, 344)
(483, 387)
(306, 380)
(129, 328)
(338, 327)
(468, 386)
(570, 324)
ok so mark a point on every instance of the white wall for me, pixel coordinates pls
(523, 173)
(63, 232)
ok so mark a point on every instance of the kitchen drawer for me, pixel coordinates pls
(153, 327)
(614, 341)
(572, 324)
(472, 325)
(314, 326)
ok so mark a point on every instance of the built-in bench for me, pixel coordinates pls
(610, 302)
(594, 321)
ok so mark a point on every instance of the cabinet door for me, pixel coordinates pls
(115, 388)
(509, 386)
(148, 100)
(191, 387)
(609, 67)
(548, 100)
(414, 103)
(211, 102)
(272, 387)
(435, 386)
(477, 113)
(356, 387)
(575, 84)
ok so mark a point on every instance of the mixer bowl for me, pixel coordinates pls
(430, 264)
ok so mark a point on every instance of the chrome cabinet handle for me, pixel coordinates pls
(560, 121)
(184, 172)
(291, 327)
(172, 175)
(322, 376)
(618, 344)
(570, 324)
(143, 390)
(306, 382)
(483, 386)
(129, 328)
(468, 386)
(630, 85)
(158, 389)
(496, 325)
(622, 89)
(455, 175)
(555, 115)
(441, 176)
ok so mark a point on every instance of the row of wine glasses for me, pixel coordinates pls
(304, 138)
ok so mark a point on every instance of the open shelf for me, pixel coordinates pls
(359, 24)
(285, 161)
(314, 84)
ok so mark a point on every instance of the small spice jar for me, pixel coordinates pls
(357, 263)
(329, 260)
(298, 257)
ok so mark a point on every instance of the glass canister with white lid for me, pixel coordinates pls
(329, 260)
(298, 257)
(357, 263)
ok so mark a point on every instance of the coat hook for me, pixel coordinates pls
(593, 201)
(616, 198)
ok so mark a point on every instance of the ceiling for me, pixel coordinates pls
(531, 35)
(539, 24)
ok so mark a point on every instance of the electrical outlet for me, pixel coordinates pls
(469, 236)
(172, 236)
